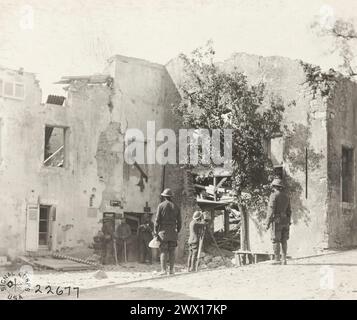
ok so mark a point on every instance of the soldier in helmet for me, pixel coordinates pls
(167, 226)
(279, 217)
(197, 225)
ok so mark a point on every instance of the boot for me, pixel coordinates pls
(284, 248)
(276, 248)
(172, 260)
(163, 259)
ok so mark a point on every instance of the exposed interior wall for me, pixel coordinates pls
(95, 118)
(342, 123)
(142, 92)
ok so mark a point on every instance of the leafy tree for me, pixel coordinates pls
(215, 99)
(344, 38)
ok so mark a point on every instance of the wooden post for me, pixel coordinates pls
(125, 256)
(214, 189)
(243, 231)
(226, 221)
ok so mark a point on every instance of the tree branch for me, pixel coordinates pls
(344, 36)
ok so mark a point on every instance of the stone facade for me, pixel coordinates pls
(317, 126)
(95, 118)
(341, 132)
(305, 118)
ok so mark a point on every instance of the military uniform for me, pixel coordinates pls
(123, 233)
(145, 235)
(167, 226)
(108, 234)
(196, 228)
(279, 217)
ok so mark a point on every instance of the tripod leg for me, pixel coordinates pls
(199, 250)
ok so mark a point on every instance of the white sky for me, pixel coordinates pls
(70, 37)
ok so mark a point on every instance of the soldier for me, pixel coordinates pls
(108, 238)
(279, 216)
(145, 235)
(167, 227)
(196, 229)
(122, 234)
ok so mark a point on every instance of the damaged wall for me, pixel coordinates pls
(16, 131)
(306, 130)
(143, 91)
(95, 117)
(304, 146)
(342, 124)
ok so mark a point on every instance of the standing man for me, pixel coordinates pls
(145, 234)
(123, 233)
(107, 240)
(279, 217)
(196, 229)
(167, 227)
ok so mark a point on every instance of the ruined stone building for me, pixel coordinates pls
(62, 167)
(316, 154)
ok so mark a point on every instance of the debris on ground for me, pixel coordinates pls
(59, 264)
(70, 261)
(81, 261)
(100, 274)
(211, 258)
(230, 240)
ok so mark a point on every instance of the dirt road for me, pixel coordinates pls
(326, 277)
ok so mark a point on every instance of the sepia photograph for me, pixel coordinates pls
(187, 151)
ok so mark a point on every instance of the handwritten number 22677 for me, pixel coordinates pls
(56, 290)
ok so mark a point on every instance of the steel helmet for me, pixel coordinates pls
(167, 193)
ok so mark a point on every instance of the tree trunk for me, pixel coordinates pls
(244, 238)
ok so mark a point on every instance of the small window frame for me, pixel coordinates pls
(14, 84)
(66, 132)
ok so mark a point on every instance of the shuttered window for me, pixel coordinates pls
(10, 89)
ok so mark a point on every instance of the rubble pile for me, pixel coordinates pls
(212, 260)
(229, 241)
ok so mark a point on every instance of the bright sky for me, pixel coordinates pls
(71, 37)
